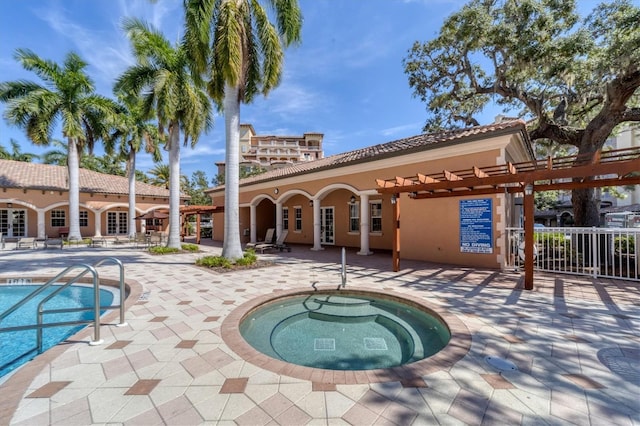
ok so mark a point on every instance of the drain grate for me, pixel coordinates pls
(324, 344)
(375, 344)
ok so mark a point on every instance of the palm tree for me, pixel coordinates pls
(132, 129)
(68, 95)
(242, 50)
(16, 153)
(160, 175)
(163, 79)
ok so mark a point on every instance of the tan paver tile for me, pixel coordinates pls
(48, 390)
(142, 387)
(237, 385)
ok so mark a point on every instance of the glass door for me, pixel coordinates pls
(326, 223)
(13, 222)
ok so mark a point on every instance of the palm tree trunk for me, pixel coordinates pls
(73, 167)
(131, 168)
(174, 186)
(231, 248)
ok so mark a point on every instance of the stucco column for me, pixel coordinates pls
(317, 226)
(278, 218)
(41, 226)
(252, 224)
(98, 224)
(364, 225)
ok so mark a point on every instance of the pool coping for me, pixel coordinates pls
(18, 382)
(458, 346)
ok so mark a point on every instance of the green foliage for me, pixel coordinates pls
(624, 245)
(163, 250)
(196, 187)
(214, 262)
(190, 247)
(16, 153)
(574, 80)
(248, 259)
(546, 200)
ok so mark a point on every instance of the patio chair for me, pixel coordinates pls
(279, 244)
(26, 242)
(268, 239)
(53, 242)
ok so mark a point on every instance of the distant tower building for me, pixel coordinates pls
(272, 152)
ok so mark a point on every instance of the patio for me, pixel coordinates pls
(574, 340)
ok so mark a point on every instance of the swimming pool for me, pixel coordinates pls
(342, 331)
(18, 347)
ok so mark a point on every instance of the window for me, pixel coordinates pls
(58, 218)
(354, 217)
(285, 218)
(375, 209)
(84, 218)
(298, 213)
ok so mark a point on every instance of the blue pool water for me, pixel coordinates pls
(18, 347)
(344, 332)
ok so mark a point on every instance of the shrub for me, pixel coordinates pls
(249, 258)
(624, 245)
(163, 250)
(190, 247)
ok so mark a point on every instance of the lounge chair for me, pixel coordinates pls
(268, 239)
(53, 242)
(26, 242)
(278, 245)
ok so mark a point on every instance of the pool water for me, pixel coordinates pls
(18, 347)
(350, 332)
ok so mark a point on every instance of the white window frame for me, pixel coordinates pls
(285, 218)
(375, 218)
(57, 215)
(84, 218)
(354, 217)
(297, 213)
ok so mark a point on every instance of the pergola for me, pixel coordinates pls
(186, 211)
(604, 168)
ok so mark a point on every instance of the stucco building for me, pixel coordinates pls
(34, 201)
(334, 200)
(272, 151)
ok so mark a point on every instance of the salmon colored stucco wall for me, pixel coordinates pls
(46, 201)
(430, 229)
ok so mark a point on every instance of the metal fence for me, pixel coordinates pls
(597, 252)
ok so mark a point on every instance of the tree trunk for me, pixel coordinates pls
(586, 207)
(131, 168)
(174, 186)
(231, 248)
(73, 168)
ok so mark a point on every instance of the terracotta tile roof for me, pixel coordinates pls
(390, 149)
(18, 174)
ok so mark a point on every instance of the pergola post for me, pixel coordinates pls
(395, 202)
(528, 235)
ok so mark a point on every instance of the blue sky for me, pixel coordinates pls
(344, 80)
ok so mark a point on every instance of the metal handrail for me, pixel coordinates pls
(96, 286)
(120, 286)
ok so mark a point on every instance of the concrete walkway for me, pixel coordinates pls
(574, 341)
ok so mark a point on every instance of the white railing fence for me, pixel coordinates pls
(597, 252)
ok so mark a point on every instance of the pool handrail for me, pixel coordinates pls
(120, 285)
(96, 286)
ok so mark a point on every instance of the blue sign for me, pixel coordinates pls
(476, 226)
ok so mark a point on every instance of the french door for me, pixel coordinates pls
(117, 223)
(13, 222)
(327, 225)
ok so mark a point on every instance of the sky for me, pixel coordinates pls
(345, 79)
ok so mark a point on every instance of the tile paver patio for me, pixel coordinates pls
(575, 342)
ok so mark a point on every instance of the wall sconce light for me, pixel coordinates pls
(413, 194)
(310, 203)
(394, 198)
(528, 189)
(276, 190)
(352, 200)
(9, 205)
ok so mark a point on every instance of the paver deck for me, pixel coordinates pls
(575, 342)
